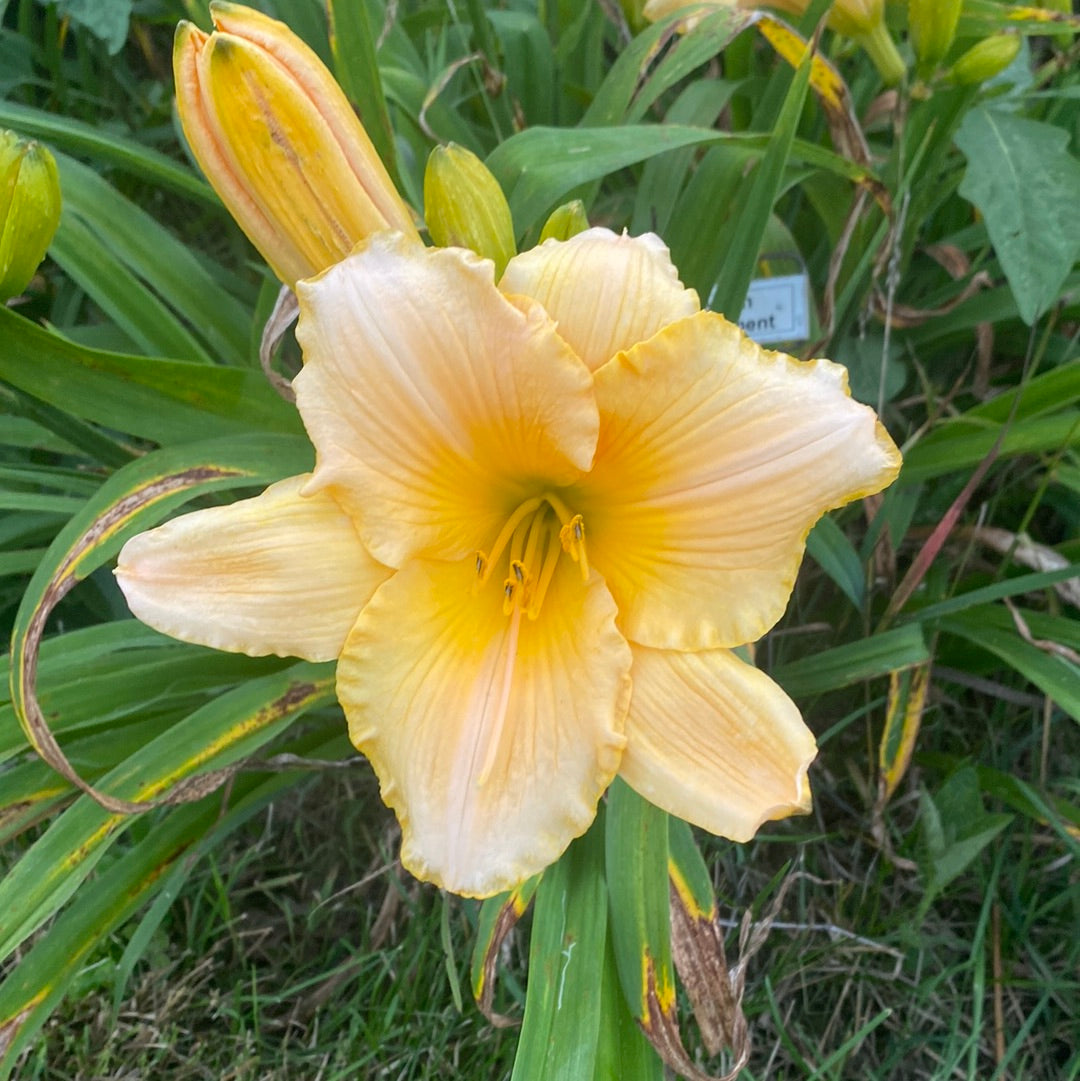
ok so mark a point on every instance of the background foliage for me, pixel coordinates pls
(265, 931)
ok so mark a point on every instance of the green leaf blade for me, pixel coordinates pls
(1024, 181)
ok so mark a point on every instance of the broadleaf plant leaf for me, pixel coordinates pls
(1024, 181)
(105, 19)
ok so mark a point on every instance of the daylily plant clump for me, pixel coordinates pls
(544, 510)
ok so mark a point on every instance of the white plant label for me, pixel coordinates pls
(776, 309)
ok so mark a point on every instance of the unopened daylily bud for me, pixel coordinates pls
(278, 140)
(933, 26)
(29, 210)
(984, 60)
(566, 221)
(465, 207)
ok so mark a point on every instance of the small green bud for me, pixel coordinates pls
(566, 221)
(29, 210)
(932, 24)
(465, 206)
(985, 59)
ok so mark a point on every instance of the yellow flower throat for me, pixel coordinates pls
(535, 535)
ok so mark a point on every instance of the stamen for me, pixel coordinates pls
(507, 532)
(522, 579)
(572, 536)
(517, 541)
(547, 572)
(510, 588)
(538, 525)
(559, 507)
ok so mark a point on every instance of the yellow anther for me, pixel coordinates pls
(510, 588)
(572, 538)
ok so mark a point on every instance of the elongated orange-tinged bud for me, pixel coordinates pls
(278, 140)
(29, 210)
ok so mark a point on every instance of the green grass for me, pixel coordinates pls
(301, 950)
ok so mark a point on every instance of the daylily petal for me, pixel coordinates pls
(715, 741)
(434, 403)
(715, 459)
(281, 573)
(493, 764)
(606, 292)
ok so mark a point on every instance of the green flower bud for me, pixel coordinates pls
(933, 26)
(29, 210)
(984, 60)
(465, 207)
(566, 221)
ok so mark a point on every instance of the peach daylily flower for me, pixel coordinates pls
(541, 515)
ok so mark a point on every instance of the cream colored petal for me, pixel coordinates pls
(435, 404)
(606, 292)
(715, 459)
(493, 738)
(281, 573)
(715, 741)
